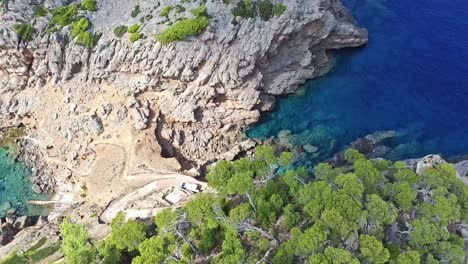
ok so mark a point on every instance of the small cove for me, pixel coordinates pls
(15, 184)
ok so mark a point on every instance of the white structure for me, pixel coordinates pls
(192, 187)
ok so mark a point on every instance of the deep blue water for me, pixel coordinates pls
(412, 77)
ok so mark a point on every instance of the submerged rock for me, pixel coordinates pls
(363, 145)
(310, 149)
(380, 151)
(380, 136)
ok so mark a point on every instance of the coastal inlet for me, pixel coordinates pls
(15, 184)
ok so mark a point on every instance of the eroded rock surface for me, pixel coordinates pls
(206, 89)
(110, 119)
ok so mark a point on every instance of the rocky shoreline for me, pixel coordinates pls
(105, 121)
(16, 141)
(42, 177)
(207, 90)
(173, 107)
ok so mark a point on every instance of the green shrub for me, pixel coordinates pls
(38, 245)
(13, 258)
(31, 256)
(279, 9)
(182, 29)
(165, 11)
(76, 243)
(63, 16)
(41, 11)
(133, 28)
(89, 5)
(38, 255)
(265, 9)
(136, 11)
(199, 11)
(120, 31)
(24, 31)
(234, 21)
(185, 27)
(79, 26)
(79, 31)
(245, 9)
(85, 39)
(135, 36)
(179, 9)
(126, 235)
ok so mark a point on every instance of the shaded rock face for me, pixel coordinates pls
(9, 227)
(209, 87)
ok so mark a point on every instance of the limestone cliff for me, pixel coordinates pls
(106, 120)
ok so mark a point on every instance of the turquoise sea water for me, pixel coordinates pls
(411, 77)
(15, 187)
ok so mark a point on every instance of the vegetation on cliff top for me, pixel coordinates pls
(120, 31)
(41, 11)
(263, 8)
(165, 11)
(79, 30)
(135, 11)
(185, 27)
(369, 211)
(64, 15)
(89, 5)
(24, 31)
(68, 15)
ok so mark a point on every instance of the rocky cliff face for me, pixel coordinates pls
(194, 97)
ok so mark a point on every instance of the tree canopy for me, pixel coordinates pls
(268, 211)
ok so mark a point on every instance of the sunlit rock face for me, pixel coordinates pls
(205, 89)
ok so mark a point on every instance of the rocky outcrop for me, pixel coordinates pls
(207, 89)
(462, 168)
(10, 226)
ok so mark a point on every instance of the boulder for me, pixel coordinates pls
(41, 221)
(380, 136)
(352, 242)
(462, 168)
(231, 154)
(380, 151)
(284, 137)
(22, 222)
(37, 188)
(429, 161)
(363, 145)
(464, 232)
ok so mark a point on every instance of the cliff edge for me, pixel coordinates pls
(110, 104)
